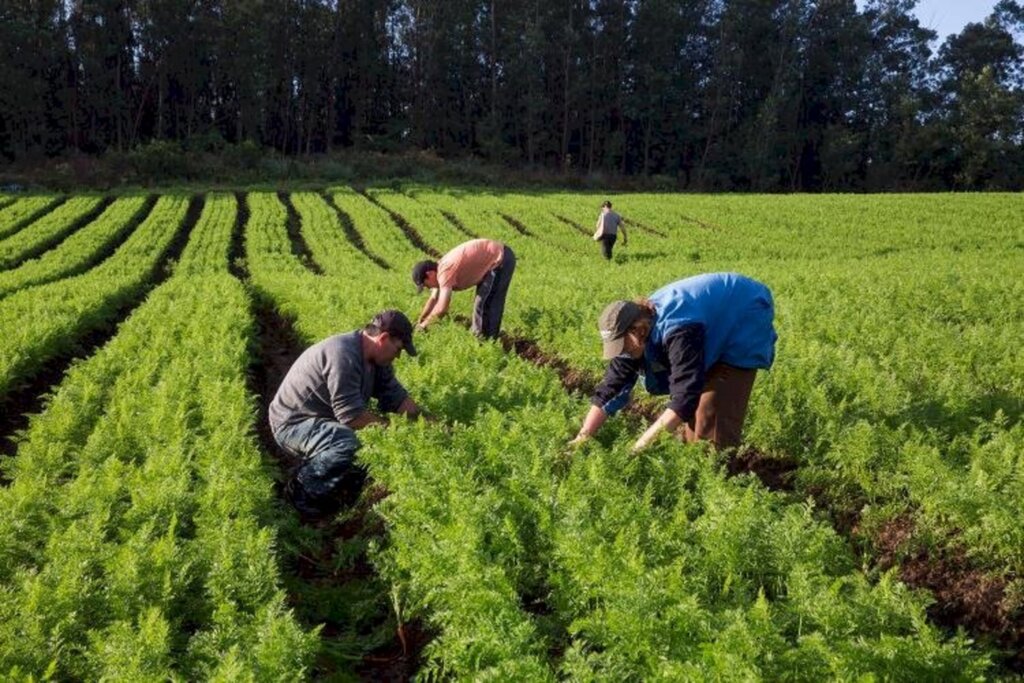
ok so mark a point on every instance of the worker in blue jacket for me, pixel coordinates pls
(701, 341)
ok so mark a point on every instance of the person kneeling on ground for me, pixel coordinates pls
(700, 340)
(486, 264)
(324, 399)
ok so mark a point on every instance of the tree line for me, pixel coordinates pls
(749, 95)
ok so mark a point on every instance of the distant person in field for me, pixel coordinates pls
(325, 399)
(485, 264)
(607, 230)
(701, 341)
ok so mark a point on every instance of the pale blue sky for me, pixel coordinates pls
(950, 16)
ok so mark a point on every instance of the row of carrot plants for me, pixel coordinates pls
(81, 249)
(136, 533)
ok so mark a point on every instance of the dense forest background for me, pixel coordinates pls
(761, 95)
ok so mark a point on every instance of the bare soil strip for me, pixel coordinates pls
(294, 228)
(406, 227)
(965, 596)
(31, 397)
(703, 224)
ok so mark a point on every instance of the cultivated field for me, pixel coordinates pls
(874, 523)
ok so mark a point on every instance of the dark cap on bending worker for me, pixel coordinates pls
(397, 325)
(615, 321)
(419, 273)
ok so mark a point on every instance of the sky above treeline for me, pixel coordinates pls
(949, 16)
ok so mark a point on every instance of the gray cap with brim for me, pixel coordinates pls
(614, 322)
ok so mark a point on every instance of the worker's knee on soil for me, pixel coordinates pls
(330, 466)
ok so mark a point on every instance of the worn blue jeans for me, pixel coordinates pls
(327, 472)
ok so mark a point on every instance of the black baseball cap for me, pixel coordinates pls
(397, 325)
(419, 273)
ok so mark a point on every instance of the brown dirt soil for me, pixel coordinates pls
(965, 596)
(775, 473)
(294, 229)
(697, 221)
(399, 660)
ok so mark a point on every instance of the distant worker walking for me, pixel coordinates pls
(700, 340)
(485, 264)
(324, 400)
(607, 230)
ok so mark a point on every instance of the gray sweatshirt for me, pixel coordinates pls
(331, 380)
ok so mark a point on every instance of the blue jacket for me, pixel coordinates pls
(699, 321)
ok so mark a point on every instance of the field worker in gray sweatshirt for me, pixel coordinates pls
(325, 399)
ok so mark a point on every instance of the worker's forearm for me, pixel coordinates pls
(668, 420)
(593, 421)
(427, 308)
(439, 312)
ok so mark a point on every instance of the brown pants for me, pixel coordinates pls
(722, 407)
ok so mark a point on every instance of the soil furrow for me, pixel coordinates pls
(643, 227)
(294, 227)
(517, 225)
(965, 596)
(349, 227)
(327, 570)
